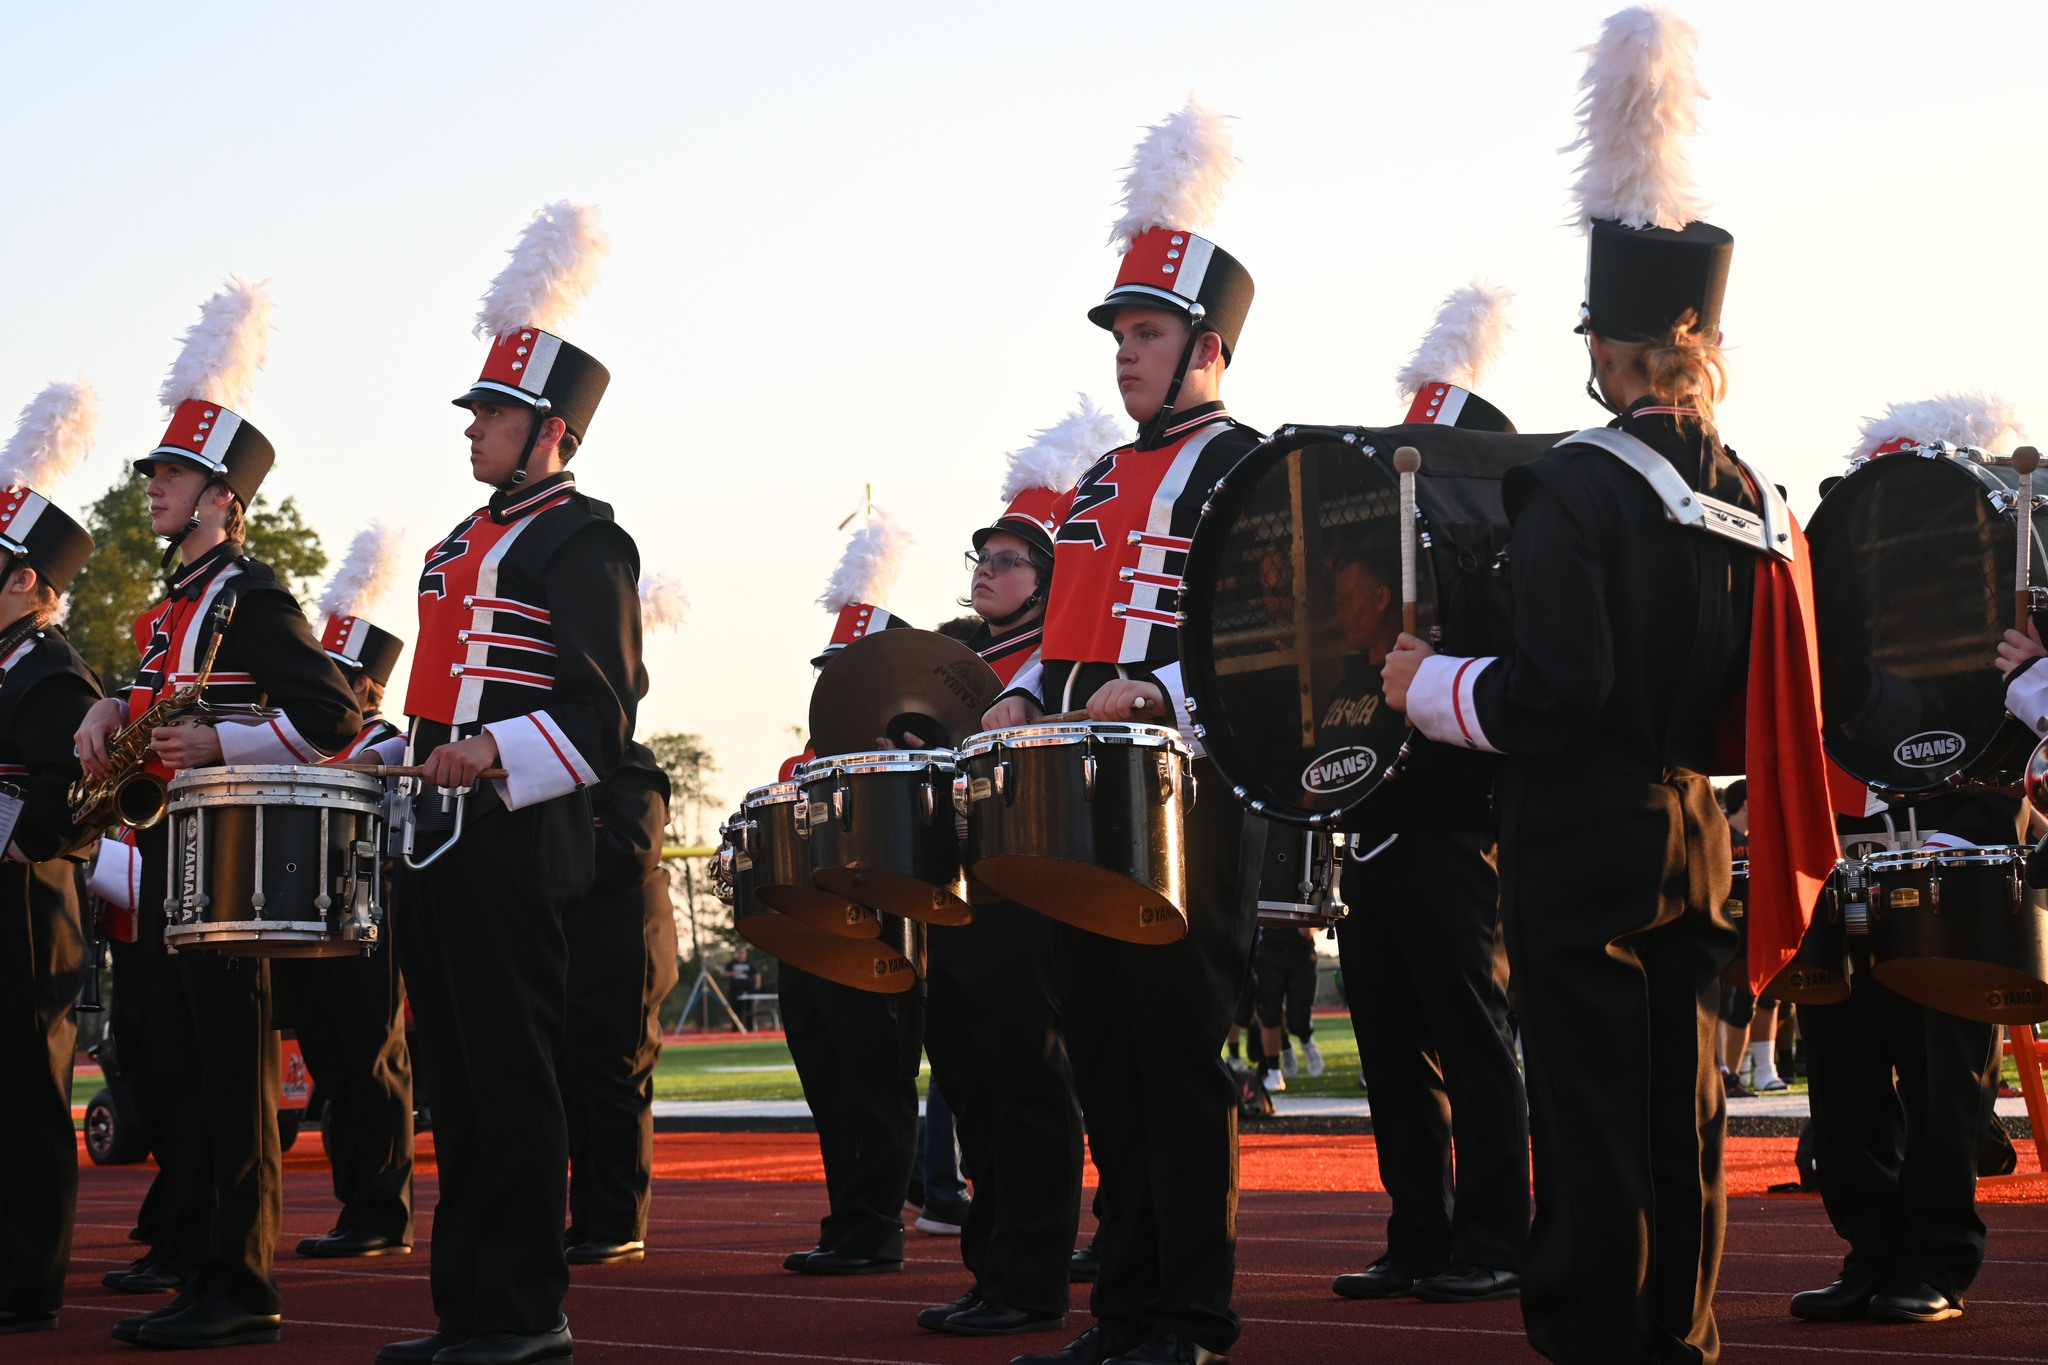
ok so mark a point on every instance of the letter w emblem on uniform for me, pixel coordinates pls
(442, 555)
(1095, 488)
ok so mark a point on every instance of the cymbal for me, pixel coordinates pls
(897, 680)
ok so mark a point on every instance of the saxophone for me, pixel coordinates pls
(130, 793)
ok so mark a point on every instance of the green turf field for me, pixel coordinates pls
(742, 1070)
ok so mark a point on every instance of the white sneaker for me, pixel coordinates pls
(1288, 1066)
(1274, 1082)
(1315, 1057)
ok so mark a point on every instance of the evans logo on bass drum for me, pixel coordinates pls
(1928, 749)
(1339, 769)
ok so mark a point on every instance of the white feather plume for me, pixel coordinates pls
(1177, 174)
(374, 563)
(1471, 324)
(552, 270)
(867, 571)
(1059, 455)
(62, 609)
(1641, 103)
(224, 349)
(1984, 420)
(55, 432)
(662, 604)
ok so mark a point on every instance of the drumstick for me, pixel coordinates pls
(1059, 717)
(2024, 461)
(1406, 461)
(403, 770)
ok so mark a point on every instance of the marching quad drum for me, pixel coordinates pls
(275, 861)
(1916, 555)
(1082, 821)
(879, 831)
(1293, 597)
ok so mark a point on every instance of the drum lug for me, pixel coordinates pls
(1005, 778)
(1187, 790)
(1934, 892)
(1164, 771)
(802, 817)
(1088, 767)
(928, 796)
(842, 806)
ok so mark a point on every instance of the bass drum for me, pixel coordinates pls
(1913, 557)
(1292, 596)
(889, 960)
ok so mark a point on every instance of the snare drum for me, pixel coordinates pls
(275, 861)
(888, 960)
(777, 862)
(1913, 556)
(879, 827)
(1083, 822)
(1960, 931)
(1297, 874)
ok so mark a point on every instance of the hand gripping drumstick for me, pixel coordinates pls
(2025, 461)
(1406, 461)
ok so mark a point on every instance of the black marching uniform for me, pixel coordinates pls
(45, 691)
(195, 1028)
(348, 1014)
(1901, 1096)
(1631, 636)
(530, 629)
(1426, 979)
(997, 1048)
(622, 965)
(1145, 1024)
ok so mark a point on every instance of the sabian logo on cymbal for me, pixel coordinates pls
(1928, 749)
(1339, 769)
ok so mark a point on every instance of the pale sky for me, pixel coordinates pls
(855, 243)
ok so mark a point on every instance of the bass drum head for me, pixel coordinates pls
(1298, 581)
(1912, 586)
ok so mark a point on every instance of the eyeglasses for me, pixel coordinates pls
(1001, 562)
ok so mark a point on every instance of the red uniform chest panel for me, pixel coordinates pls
(1008, 657)
(463, 618)
(1115, 552)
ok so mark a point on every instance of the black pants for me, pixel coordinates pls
(1897, 1157)
(486, 966)
(40, 958)
(1145, 1028)
(1426, 977)
(1287, 987)
(1617, 948)
(857, 1055)
(206, 1071)
(618, 976)
(993, 1032)
(349, 1017)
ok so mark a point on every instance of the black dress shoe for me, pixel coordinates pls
(795, 1260)
(512, 1348)
(1169, 1348)
(933, 1319)
(988, 1318)
(1390, 1277)
(1462, 1283)
(1913, 1303)
(147, 1277)
(211, 1322)
(605, 1253)
(420, 1350)
(130, 1329)
(1846, 1300)
(848, 1263)
(345, 1242)
(1085, 1265)
(12, 1322)
(1092, 1347)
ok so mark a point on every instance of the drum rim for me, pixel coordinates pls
(1059, 734)
(772, 794)
(1907, 859)
(282, 773)
(354, 802)
(876, 761)
(257, 930)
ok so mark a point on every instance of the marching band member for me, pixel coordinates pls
(1632, 627)
(857, 1052)
(1166, 1150)
(348, 1013)
(993, 1022)
(196, 1027)
(527, 661)
(622, 965)
(45, 691)
(1425, 960)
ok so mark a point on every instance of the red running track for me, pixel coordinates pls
(712, 1288)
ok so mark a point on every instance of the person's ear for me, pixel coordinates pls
(552, 430)
(22, 580)
(1208, 351)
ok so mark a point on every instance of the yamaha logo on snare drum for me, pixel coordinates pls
(1928, 749)
(1339, 769)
